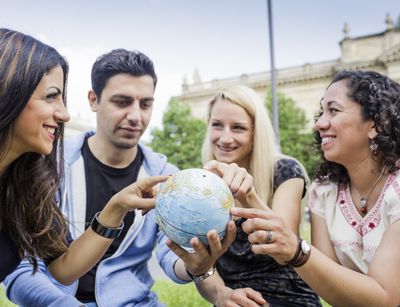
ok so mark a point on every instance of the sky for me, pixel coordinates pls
(219, 38)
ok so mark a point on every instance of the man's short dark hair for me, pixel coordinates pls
(120, 61)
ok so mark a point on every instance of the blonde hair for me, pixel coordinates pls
(264, 153)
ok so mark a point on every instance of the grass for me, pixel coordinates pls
(4, 302)
(175, 295)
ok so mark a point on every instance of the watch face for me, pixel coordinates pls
(305, 247)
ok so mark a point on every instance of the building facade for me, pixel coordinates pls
(306, 84)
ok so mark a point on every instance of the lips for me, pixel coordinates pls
(51, 130)
(225, 148)
(131, 129)
(327, 139)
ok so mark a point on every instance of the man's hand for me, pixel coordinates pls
(245, 297)
(203, 258)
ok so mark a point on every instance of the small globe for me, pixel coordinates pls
(191, 203)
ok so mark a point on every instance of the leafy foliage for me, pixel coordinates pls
(296, 138)
(181, 137)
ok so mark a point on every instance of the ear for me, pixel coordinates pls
(92, 100)
(372, 131)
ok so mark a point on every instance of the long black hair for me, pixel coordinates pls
(28, 209)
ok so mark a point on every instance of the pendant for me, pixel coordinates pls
(363, 203)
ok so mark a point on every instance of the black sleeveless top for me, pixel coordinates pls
(8, 254)
(239, 267)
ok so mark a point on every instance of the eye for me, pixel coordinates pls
(216, 125)
(333, 110)
(52, 96)
(146, 103)
(239, 128)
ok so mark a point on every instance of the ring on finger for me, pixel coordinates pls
(268, 236)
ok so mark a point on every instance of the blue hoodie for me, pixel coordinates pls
(122, 279)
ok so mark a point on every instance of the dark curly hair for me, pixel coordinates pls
(28, 187)
(379, 98)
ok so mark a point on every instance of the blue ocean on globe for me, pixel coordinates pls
(191, 203)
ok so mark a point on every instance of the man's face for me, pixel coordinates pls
(124, 109)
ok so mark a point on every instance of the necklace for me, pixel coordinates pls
(363, 200)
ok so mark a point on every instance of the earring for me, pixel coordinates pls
(374, 147)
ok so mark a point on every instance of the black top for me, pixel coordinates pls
(240, 267)
(103, 182)
(9, 255)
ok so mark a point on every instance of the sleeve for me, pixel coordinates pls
(392, 201)
(38, 289)
(286, 169)
(322, 195)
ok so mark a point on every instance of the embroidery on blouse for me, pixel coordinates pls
(362, 225)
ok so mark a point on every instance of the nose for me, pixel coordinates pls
(61, 113)
(322, 123)
(133, 113)
(226, 136)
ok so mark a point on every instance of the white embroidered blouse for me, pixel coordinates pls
(355, 238)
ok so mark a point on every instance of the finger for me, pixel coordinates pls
(143, 203)
(245, 187)
(241, 298)
(250, 212)
(254, 224)
(148, 183)
(260, 237)
(214, 242)
(255, 296)
(215, 167)
(264, 249)
(177, 249)
(229, 235)
(237, 179)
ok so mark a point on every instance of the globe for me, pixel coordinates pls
(191, 203)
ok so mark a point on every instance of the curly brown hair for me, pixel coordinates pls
(379, 98)
(29, 212)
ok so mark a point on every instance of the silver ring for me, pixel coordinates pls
(268, 237)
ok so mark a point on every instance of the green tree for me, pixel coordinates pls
(296, 138)
(181, 136)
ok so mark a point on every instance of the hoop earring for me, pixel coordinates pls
(374, 147)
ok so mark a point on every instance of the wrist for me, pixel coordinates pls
(302, 254)
(113, 213)
(199, 278)
(104, 230)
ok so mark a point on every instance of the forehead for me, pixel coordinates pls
(130, 85)
(53, 78)
(337, 92)
(224, 107)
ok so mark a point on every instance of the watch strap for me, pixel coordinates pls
(103, 230)
(300, 257)
(199, 278)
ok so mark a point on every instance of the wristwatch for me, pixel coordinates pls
(199, 278)
(103, 230)
(302, 254)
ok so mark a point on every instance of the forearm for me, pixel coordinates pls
(180, 270)
(212, 288)
(340, 286)
(80, 257)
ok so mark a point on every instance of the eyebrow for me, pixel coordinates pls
(55, 88)
(125, 97)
